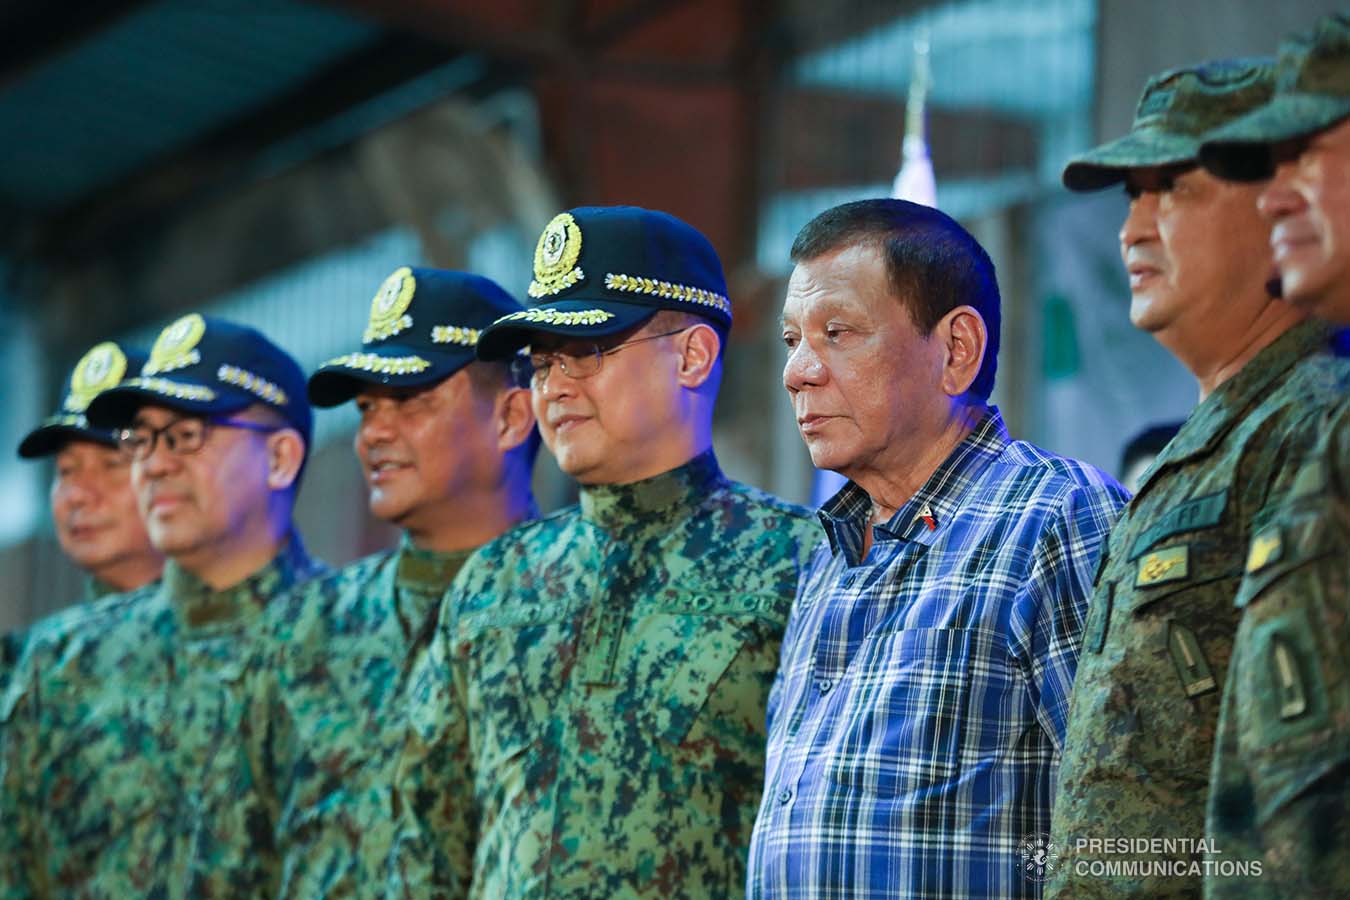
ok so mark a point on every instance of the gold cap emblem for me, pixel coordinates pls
(99, 369)
(175, 348)
(555, 257)
(388, 311)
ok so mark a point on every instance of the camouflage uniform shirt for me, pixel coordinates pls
(1281, 779)
(1160, 629)
(589, 719)
(324, 729)
(125, 746)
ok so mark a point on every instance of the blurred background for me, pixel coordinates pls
(273, 160)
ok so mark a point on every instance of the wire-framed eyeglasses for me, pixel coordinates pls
(585, 364)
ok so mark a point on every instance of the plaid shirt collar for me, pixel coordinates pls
(848, 512)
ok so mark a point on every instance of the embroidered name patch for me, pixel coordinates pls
(1202, 512)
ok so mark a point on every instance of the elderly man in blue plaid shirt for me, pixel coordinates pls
(918, 717)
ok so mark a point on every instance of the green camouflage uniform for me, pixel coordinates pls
(43, 634)
(122, 748)
(1282, 768)
(589, 719)
(324, 734)
(1160, 625)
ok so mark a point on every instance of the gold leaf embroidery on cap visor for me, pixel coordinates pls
(546, 316)
(455, 334)
(637, 284)
(380, 365)
(254, 384)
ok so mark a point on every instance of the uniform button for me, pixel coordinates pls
(784, 796)
(824, 685)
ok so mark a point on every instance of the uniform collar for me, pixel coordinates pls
(663, 496)
(427, 571)
(199, 606)
(924, 516)
(96, 588)
(1211, 421)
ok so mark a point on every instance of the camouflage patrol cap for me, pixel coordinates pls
(424, 327)
(203, 366)
(101, 368)
(1177, 109)
(602, 270)
(1312, 93)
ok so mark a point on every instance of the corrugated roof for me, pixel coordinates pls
(154, 82)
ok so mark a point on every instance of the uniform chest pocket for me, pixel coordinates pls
(907, 693)
(701, 679)
(514, 685)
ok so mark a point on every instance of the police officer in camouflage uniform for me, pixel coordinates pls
(93, 507)
(1160, 626)
(447, 445)
(125, 742)
(1281, 778)
(589, 718)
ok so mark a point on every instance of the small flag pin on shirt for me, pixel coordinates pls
(927, 515)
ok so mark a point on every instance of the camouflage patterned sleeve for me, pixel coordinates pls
(1280, 781)
(1052, 604)
(18, 790)
(433, 847)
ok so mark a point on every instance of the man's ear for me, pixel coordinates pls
(285, 455)
(701, 345)
(963, 332)
(514, 417)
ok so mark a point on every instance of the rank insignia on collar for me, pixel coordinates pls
(555, 257)
(175, 348)
(99, 369)
(1266, 548)
(389, 309)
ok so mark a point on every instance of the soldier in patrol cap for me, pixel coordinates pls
(589, 718)
(119, 785)
(1281, 777)
(1160, 626)
(447, 445)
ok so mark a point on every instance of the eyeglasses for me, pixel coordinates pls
(182, 437)
(586, 364)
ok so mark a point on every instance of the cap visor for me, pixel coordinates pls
(1108, 164)
(116, 407)
(48, 439)
(1240, 150)
(336, 383)
(573, 317)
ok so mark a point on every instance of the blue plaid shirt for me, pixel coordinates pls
(916, 723)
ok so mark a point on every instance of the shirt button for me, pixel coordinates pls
(784, 796)
(824, 685)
